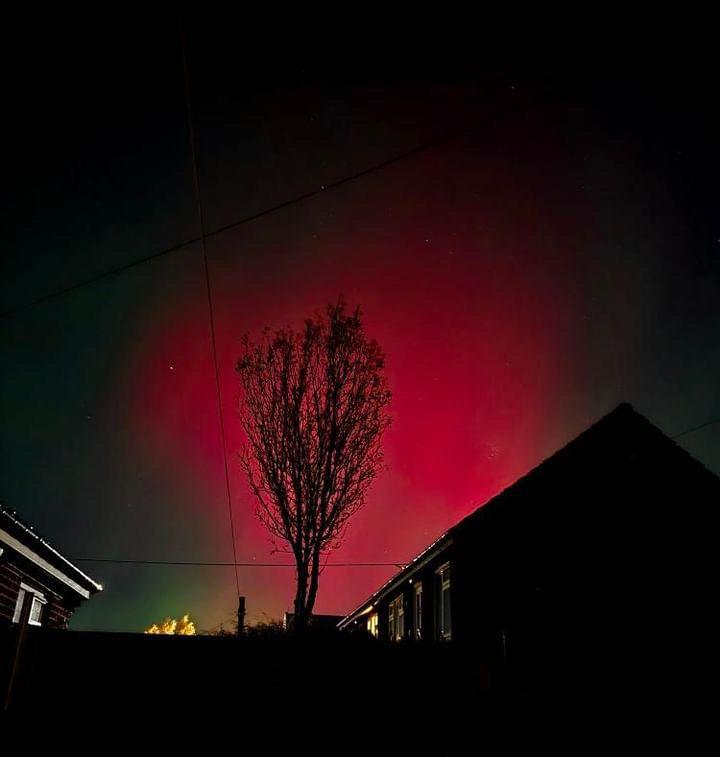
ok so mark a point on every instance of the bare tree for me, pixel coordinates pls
(314, 408)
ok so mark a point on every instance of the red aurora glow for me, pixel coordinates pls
(470, 325)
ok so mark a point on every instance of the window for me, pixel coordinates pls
(36, 609)
(372, 624)
(417, 612)
(36, 599)
(396, 619)
(444, 627)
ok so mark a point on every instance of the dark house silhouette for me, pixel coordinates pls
(597, 561)
(38, 586)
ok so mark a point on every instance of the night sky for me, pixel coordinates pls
(558, 254)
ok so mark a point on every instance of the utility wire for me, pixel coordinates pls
(208, 286)
(696, 428)
(236, 564)
(227, 227)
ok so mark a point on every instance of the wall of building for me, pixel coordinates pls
(427, 576)
(14, 570)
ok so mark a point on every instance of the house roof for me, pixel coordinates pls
(22, 538)
(622, 422)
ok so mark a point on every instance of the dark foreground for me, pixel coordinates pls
(326, 694)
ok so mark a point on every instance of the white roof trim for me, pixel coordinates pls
(31, 532)
(395, 580)
(11, 541)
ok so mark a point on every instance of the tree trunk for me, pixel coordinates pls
(314, 581)
(301, 617)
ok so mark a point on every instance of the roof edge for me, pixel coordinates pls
(624, 408)
(414, 565)
(92, 585)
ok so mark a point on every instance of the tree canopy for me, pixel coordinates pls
(314, 407)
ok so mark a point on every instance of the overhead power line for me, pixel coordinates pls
(436, 142)
(208, 285)
(696, 428)
(252, 564)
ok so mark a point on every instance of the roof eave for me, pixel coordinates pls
(422, 559)
(79, 577)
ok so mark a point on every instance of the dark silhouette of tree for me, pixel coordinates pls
(314, 408)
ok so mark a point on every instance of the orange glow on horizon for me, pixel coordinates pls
(172, 627)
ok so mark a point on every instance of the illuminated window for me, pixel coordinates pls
(36, 600)
(372, 624)
(396, 619)
(418, 610)
(444, 627)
